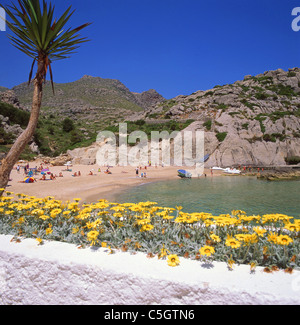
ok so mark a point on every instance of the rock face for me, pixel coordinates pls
(149, 99)
(254, 122)
(9, 97)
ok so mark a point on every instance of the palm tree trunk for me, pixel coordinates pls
(14, 153)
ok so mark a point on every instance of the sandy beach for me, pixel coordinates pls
(89, 188)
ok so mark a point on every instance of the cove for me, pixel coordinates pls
(218, 195)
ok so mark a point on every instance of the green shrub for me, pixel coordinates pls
(6, 138)
(261, 96)
(68, 125)
(245, 126)
(292, 160)
(221, 136)
(269, 138)
(15, 115)
(208, 124)
(291, 74)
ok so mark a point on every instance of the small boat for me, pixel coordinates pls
(184, 174)
(231, 171)
(217, 168)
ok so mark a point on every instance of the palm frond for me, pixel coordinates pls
(36, 34)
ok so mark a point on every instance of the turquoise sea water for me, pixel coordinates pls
(219, 195)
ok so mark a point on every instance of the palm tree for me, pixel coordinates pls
(37, 34)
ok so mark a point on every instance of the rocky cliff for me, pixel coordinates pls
(255, 121)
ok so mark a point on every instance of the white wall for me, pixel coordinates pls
(59, 273)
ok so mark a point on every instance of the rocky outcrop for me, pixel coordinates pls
(280, 174)
(9, 97)
(255, 121)
(149, 99)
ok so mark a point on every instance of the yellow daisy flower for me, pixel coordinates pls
(173, 260)
(207, 250)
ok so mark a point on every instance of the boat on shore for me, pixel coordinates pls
(231, 171)
(184, 174)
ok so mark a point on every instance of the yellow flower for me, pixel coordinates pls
(146, 228)
(292, 227)
(215, 238)
(173, 260)
(39, 240)
(163, 252)
(284, 240)
(92, 236)
(247, 238)
(44, 217)
(143, 222)
(232, 242)
(272, 237)
(230, 263)
(260, 231)
(49, 231)
(75, 230)
(103, 244)
(252, 267)
(55, 212)
(207, 250)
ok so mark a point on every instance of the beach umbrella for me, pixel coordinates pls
(29, 180)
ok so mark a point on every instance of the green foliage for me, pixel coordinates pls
(261, 118)
(248, 104)
(208, 125)
(68, 125)
(245, 126)
(5, 138)
(261, 96)
(141, 125)
(222, 106)
(15, 115)
(221, 136)
(292, 160)
(282, 90)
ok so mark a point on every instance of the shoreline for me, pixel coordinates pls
(90, 188)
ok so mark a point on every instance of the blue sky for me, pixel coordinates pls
(174, 46)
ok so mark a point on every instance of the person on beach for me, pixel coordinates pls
(137, 172)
